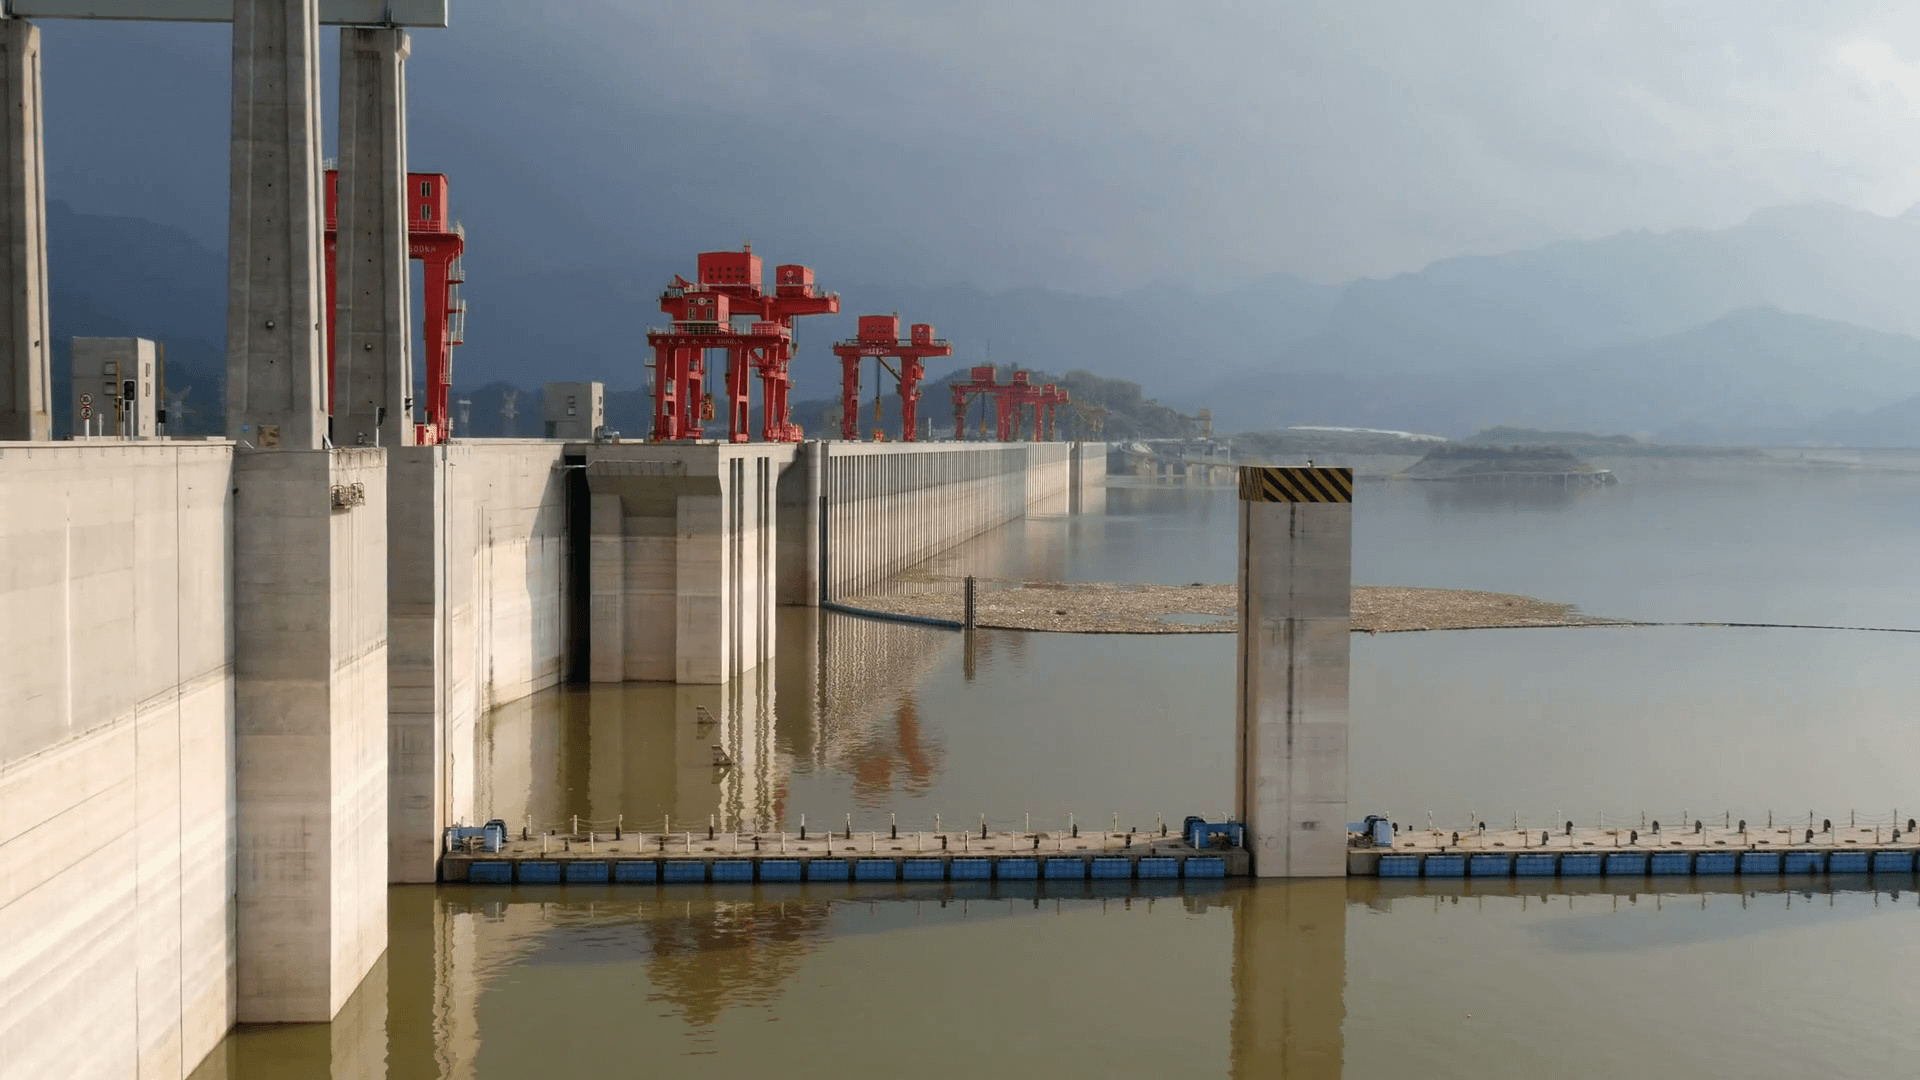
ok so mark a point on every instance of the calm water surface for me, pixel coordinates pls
(1312, 980)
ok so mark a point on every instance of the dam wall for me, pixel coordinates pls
(891, 506)
(117, 802)
(681, 562)
(478, 616)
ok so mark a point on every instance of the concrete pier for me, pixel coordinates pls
(1296, 586)
(310, 720)
(275, 340)
(26, 342)
(373, 322)
(682, 564)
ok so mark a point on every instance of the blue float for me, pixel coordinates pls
(923, 870)
(683, 870)
(780, 870)
(1112, 866)
(586, 873)
(1626, 864)
(1069, 867)
(1847, 862)
(1806, 862)
(733, 869)
(490, 871)
(1159, 866)
(1716, 862)
(1759, 862)
(1671, 862)
(1893, 862)
(1205, 866)
(970, 869)
(1581, 864)
(1486, 865)
(1536, 864)
(876, 870)
(538, 872)
(1445, 866)
(636, 871)
(828, 870)
(1023, 868)
(1391, 866)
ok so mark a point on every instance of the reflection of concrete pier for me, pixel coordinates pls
(1289, 979)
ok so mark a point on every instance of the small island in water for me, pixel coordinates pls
(1103, 608)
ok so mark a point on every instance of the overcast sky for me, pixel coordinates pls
(1088, 146)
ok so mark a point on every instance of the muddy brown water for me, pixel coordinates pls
(1361, 979)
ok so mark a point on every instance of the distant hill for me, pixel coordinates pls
(1792, 326)
(1755, 375)
(1820, 260)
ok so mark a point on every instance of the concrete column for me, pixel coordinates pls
(607, 562)
(1289, 967)
(1296, 588)
(373, 370)
(310, 727)
(417, 660)
(275, 382)
(26, 373)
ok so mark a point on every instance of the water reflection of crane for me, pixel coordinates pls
(730, 954)
(872, 761)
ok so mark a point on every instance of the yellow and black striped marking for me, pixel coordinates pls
(1301, 484)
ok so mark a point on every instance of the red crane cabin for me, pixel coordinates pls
(433, 239)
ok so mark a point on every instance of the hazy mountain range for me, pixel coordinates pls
(1796, 325)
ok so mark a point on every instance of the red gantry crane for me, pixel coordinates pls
(703, 310)
(1008, 399)
(435, 239)
(878, 336)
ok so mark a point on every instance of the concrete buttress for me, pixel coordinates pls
(373, 368)
(1296, 588)
(26, 377)
(310, 727)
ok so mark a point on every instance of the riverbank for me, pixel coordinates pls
(1102, 608)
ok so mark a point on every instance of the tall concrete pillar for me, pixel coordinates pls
(275, 382)
(1296, 603)
(310, 566)
(26, 373)
(607, 562)
(1289, 970)
(419, 501)
(373, 368)
(310, 727)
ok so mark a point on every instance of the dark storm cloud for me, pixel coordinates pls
(1085, 145)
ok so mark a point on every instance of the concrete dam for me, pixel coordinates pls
(243, 685)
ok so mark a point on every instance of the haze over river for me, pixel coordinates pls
(1361, 979)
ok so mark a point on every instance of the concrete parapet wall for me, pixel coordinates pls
(117, 957)
(891, 506)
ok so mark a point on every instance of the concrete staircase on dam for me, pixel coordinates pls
(244, 685)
